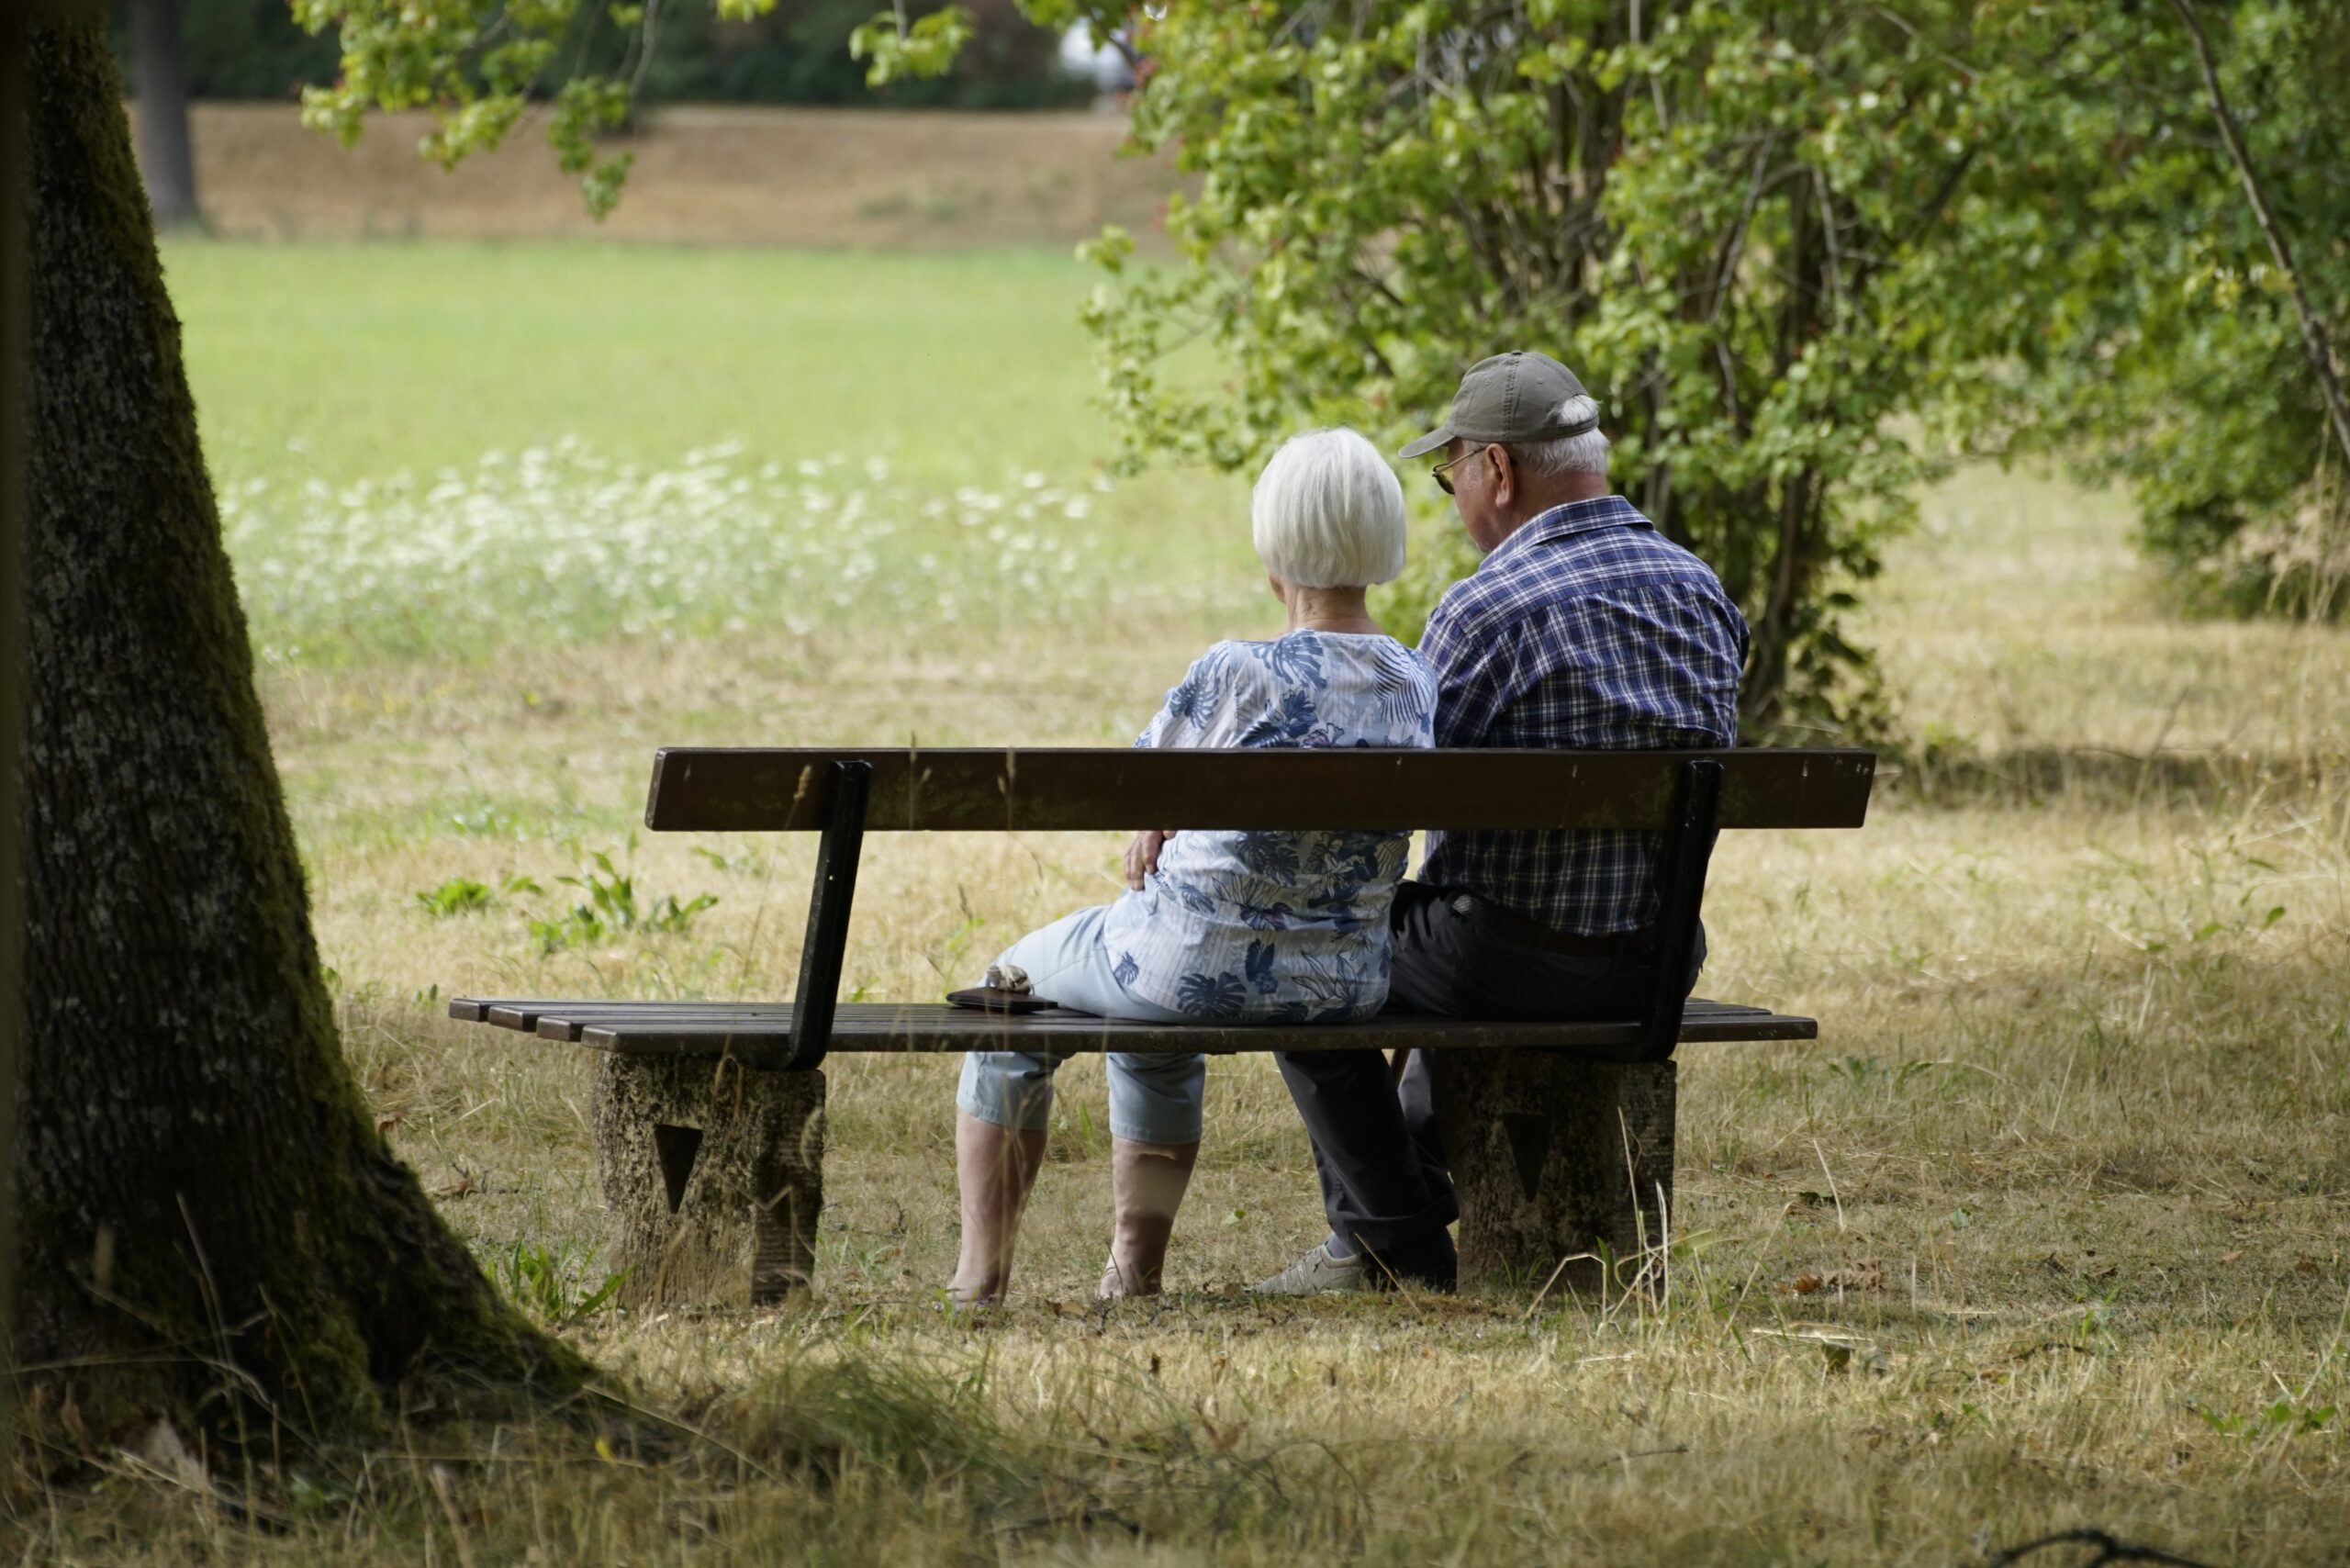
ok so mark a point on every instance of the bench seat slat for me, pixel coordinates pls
(758, 1033)
(537, 1017)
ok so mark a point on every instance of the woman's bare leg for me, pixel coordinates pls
(995, 1167)
(1147, 1185)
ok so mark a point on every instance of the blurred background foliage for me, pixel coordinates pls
(2160, 346)
(796, 53)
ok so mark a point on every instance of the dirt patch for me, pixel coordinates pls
(927, 180)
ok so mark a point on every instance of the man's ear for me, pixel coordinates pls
(1505, 476)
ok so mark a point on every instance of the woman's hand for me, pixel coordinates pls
(1141, 854)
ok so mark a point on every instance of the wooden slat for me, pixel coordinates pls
(565, 1022)
(758, 1033)
(706, 789)
(862, 1018)
(487, 1009)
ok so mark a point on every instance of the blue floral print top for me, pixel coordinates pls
(1276, 927)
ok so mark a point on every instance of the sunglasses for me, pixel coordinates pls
(1442, 472)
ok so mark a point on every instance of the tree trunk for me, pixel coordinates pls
(159, 59)
(204, 1204)
(1564, 1167)
(713, 1176)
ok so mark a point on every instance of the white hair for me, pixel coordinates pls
(1585, 453)
(1327, 513)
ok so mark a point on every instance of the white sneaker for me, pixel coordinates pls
(1318, 1274)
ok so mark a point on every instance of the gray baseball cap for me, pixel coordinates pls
(1509, 398)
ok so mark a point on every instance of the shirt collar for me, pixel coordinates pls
(1563, 522)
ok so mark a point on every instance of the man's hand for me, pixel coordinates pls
(1141, 854)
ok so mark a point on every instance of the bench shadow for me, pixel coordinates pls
(2174, 777)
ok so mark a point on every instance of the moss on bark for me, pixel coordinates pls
(205, 1202)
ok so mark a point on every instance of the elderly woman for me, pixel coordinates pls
(1232, 927)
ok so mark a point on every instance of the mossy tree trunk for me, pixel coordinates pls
(205, 1202)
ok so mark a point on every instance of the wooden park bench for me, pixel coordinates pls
(709, 1117)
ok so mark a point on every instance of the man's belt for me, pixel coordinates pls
(1506, 922)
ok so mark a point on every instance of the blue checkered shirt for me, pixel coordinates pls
(1587, 628)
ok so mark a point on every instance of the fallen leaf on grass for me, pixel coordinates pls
(384, 1124)
(1867, 1274)
(462, 1186)
(2234, 1257)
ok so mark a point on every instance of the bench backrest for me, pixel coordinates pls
(710, 789)
(1685, 795)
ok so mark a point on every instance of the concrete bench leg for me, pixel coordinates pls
(714, 1177)
(1553, 1157)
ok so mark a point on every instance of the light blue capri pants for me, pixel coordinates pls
(1154, 1098)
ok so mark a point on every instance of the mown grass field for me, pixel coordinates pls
(2075, 1141)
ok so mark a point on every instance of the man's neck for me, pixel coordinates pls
(1551, 493)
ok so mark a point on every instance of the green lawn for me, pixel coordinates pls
(368, 359)
(447, 449)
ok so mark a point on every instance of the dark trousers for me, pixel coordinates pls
(1381, 1165)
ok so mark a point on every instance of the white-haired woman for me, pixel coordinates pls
(1227, 926)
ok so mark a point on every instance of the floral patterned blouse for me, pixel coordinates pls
(1276, 927)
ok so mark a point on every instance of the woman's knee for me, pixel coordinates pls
(1010, 1089)
(1157, 1097)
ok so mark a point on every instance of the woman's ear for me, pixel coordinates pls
(1281, 588)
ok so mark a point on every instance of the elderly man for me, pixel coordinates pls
(1583, 627)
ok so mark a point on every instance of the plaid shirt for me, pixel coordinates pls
(1587, 628)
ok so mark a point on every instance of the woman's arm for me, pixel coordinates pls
(1196, 714)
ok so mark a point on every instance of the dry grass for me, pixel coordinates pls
(2074, 1142)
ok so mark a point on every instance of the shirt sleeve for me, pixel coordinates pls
(1476, 665)
(1195, 708)
(1424, 686)
(1242, 693)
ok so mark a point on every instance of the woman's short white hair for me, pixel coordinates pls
(1585, 453)
(1327, 513)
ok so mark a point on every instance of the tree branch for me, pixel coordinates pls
(2313, 333)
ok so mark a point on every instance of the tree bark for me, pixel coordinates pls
(159, 60)
(16, 318)
(204, 1204)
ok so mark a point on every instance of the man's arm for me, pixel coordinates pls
(1477, 669)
